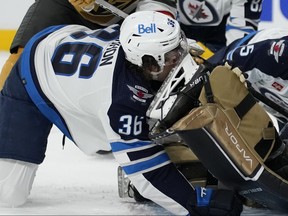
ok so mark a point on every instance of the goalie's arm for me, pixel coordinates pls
(268, 56)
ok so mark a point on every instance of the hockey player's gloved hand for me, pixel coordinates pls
(86, 5)
(194, 48)
(242, 76)
(215, 202)
(198, 51)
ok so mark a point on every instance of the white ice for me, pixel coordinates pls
(71, 183)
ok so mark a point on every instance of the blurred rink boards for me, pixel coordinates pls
(274, 14)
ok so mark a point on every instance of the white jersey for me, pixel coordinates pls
(82, 105)
(79, 79)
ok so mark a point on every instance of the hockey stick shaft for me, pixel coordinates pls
(268, 102)
(111, 8)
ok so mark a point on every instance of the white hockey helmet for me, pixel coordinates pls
(149, 33)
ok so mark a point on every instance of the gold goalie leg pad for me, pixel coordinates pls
(188, 164)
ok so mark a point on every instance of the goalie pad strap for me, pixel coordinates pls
(208, 90)
(245, 105)
(241, 109)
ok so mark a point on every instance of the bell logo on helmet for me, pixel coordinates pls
(148, 29)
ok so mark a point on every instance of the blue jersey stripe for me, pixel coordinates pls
(240, 43)
(246, 30)
(141, 166)
(120, 146)
(31, 87)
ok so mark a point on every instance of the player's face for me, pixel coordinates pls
(166, 70)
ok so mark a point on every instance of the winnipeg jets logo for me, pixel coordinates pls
(198, 12)
(277, 49)
(139, 93)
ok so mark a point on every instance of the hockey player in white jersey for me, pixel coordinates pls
(78, 79)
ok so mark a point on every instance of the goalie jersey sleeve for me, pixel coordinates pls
(79, 80)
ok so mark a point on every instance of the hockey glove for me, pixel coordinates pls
(215, 202)
(242, 76)
(86, 5)
(247, 77)
(199, 51)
